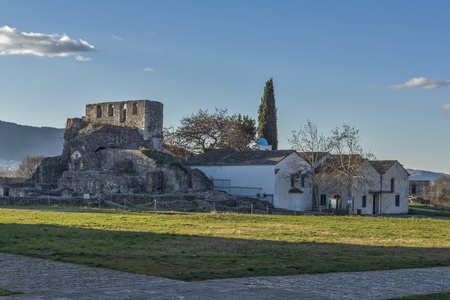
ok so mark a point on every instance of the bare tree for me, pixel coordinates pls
(203, 131)
(6, 171)
(28, 166)
(440, 191)
(346, 167)
(313, 147)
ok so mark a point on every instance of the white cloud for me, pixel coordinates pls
(149, 70)
(421, 83)
(82, 58)
(446, 109)
(14, 42)
(117, 37)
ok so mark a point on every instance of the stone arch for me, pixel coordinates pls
(75, 155)
(99, 111)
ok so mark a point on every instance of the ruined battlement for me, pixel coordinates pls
(145, 115)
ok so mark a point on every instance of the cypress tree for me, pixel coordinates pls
(267, 116)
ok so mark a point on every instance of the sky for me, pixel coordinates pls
(380, 66)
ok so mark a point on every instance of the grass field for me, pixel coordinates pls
(195, 246)
(432, 211)
(438, 296)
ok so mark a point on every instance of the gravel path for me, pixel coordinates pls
(47, 279)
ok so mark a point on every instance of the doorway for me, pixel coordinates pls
(375, 204)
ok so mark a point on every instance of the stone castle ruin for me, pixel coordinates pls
(115, 149)
(114, 153)
(144, 115)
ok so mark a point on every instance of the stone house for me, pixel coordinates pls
(383, 190)
(419, 187)
(278, 176)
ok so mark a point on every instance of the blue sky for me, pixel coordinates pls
(381, 66)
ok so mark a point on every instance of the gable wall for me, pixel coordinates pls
(292, 201)
(401, 187)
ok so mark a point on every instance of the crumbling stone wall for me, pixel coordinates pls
(419, 187)
(144, 115)
(111, 171)
(116, 149)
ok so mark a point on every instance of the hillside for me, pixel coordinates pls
(424, 175)
(16, 141)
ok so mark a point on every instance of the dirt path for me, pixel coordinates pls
(47, 279)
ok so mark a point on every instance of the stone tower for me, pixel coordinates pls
(144, 115)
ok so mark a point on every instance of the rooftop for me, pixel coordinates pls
(234, 156)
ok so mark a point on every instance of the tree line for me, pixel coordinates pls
(203, 131)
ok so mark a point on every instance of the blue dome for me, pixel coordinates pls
(262, 142)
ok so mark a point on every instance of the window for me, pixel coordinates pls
(323, 199)
(123, 113)
(303, 181)
(111, 110)
(397, 200)
(135, 108)
(392, 185)
(364, 201)
(99, 111)
(414, 188)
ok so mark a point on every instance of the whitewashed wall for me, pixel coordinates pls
(401, 188)
(262, 177)
(387, 203)
(283, 199)
(270, 179)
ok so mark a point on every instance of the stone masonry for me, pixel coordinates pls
(115, 149)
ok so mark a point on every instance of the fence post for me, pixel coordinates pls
(251, 209)
(154, 208)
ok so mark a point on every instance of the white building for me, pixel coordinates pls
(384, 190)
(281, 177)
(277, 176)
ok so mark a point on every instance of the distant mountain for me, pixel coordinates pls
(16, 141)
(424, 175)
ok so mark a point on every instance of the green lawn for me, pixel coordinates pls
(7, 293)
(196, 246)
(438, 296)
(432, 210)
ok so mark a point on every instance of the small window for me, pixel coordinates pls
(364, 201)
(135, 108)
(99, 111)
(397, 200)
(123, 113)
(111, 110)
(392, 185)
(323, 199)
(414, 189)
(303, 181)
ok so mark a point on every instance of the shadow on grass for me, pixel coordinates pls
(188, 257)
